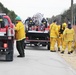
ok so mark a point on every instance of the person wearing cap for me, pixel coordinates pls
(68, 37)
(53, 35)
(20, 36)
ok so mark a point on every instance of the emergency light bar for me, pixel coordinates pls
(2, 14)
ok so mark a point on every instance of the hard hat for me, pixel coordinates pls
(64, 24)
(18, 18)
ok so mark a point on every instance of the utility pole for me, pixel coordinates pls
(72, 12)
(74, 19)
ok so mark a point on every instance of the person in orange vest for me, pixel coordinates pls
(53, 35)
(20, 36)
(68, 37)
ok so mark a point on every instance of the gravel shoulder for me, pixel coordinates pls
(69, 58)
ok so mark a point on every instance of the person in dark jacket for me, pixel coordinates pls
(44, 21)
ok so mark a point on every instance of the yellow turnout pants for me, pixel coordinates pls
(52, 43)
(67, 44)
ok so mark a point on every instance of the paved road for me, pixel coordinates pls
(37, 61)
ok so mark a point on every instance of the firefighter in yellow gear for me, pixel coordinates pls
(58, 39)
(61, 29)
(74, 44)
(68, 37)
(53, 35)
(20, 36)
(73, 47)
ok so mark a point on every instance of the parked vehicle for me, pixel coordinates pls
(37, 33)
(6, 38)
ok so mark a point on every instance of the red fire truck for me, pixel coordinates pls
(6, 38)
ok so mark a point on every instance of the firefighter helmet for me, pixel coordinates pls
(64, 24)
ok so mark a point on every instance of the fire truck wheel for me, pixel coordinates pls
(35, 45)
(9, 56)
(48, 46)
(43, 45)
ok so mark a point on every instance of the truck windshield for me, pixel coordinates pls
(6, 22)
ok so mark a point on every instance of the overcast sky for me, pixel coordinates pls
(26, 8)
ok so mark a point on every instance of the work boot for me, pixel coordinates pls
(21, 56)
(53, 50)
(62, 52)
(69, 52)
(58, 49)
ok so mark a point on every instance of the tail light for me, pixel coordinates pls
(48, 38)
(27, 38)
(5, 45)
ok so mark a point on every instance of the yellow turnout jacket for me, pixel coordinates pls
(68, 34)
(54, 30)
(19, 31)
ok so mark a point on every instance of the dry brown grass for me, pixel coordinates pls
(70, 58)
(74, 27)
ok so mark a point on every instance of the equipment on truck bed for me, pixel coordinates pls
(38, 34)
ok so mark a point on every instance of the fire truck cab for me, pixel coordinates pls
(6, 38)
